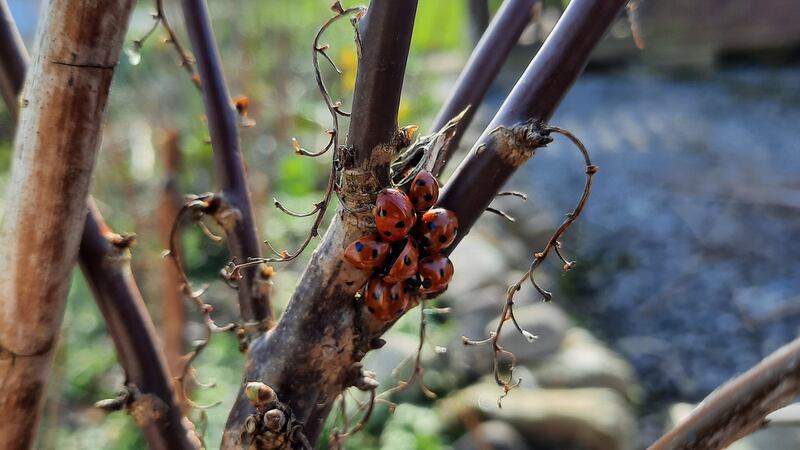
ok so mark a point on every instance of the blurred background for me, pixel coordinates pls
(687, 252)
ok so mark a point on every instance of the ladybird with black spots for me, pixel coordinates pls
(437, 229)
(394, 215)
(385, 301)
(424, 191)
(367, 253)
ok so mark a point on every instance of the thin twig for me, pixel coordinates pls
(552, 244)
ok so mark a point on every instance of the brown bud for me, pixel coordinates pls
(274, 420)
(259, 394)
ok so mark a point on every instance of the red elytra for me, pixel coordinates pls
(394, 215)
(435, 273)
(367, 253)
(424, 191)
(386, 301)
(404, 265)
(436, 230)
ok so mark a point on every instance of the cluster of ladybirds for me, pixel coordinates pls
(405, 252)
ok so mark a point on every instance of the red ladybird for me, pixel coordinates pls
(437, 229)
(367, 253)
(394, 215)
(386, 301)
(435, 273)
(404, 266)
(424, 191)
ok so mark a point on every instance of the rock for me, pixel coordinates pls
(583, 361)
(587, 418)
(544, 320)
(494, 435)
(477, 264)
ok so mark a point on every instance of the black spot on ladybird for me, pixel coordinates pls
(414, 200)
(374, 252)
(382, 212)
(387, 233)
(427, 283)
(400, 224)
(359, 246)
(420, 182)
(428, 197)
(442, 239)
(441, 273)
(407, 260)
(370, 309)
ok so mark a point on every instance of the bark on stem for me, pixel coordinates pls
(67, 88)
(104, 258)
(482, 68)
(107, 272)
(242, 237)
(740, 406)
(307, 358)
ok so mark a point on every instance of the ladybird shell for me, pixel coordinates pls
(386, 301)
(394, 215)
(424, 191)
(435, 273)
(404, 266)
(436, 230)
(366, 253)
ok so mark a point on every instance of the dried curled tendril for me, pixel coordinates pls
(335, 109)
(553, 244)
(197, 206)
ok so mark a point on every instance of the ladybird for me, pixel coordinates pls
(404, 265)
(367, 253)
(386, 301)
(436, 230)
(394, 214)
(435, 273)
(424, 191)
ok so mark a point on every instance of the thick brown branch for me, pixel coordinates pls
(740, 406)
(308, 356)
(107, 272)
(481, 69)
(46, 198)
(243, 242)
(104, 258)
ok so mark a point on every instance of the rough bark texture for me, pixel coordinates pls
(740, 406)
(13, 58)
(58, 136)
(172, 307)
(307, 358)
(310, 357)
(242, 237)
(481, 69)
(105, 260)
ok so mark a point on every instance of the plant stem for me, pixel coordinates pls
(243, 241)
